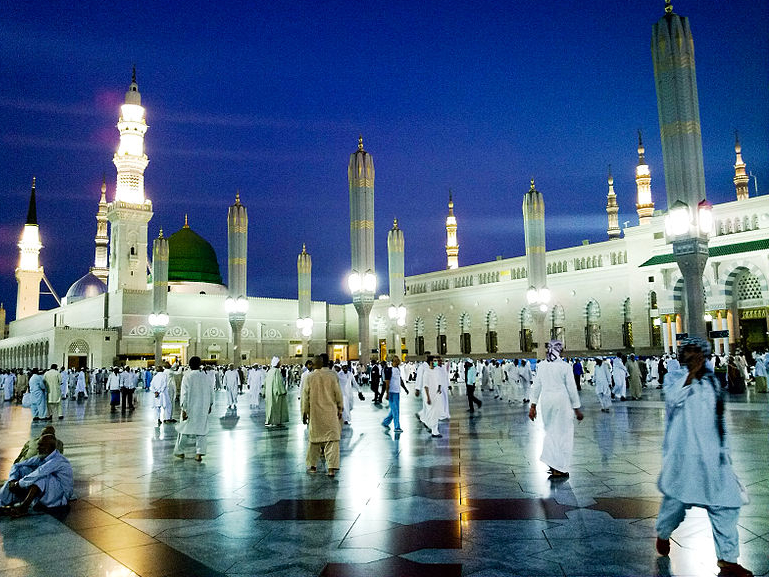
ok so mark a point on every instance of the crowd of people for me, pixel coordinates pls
(693, 385)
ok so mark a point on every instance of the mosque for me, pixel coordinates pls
(625, 293)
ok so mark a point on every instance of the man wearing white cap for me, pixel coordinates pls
(276, 403)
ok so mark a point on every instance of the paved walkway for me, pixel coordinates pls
(476, 502)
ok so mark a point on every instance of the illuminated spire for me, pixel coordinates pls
(612, 210)
(395, 224)
(360, 142)
(741, 177)
(186, 222)
(644, 204)
(32, 209)
(29, 273)
(452, 243)
(100, 268)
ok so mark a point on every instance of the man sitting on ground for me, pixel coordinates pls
(29, 449)
(45, 480)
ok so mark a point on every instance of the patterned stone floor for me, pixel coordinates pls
(475, 502)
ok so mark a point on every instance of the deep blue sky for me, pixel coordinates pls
(269, 98)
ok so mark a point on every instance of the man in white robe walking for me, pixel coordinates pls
(696, 464)
(197, 400)
(159, 388)
(231, 384)
(554, 388)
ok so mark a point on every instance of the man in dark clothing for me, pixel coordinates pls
(374, 379)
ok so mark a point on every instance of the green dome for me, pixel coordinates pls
(191, 258)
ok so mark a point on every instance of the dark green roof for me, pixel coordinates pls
(191, 258)
(724, 250)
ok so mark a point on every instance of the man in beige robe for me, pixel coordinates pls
(634, 378)
(52, 380)
(322, 407)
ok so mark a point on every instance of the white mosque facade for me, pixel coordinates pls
(625, 293)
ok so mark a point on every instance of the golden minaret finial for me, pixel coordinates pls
(186, 223)
(360, 142)
(304, 248)
(237, 196)
(103, 184)
(668, 7)
(160, 234)
(395, 223)
(532, 184)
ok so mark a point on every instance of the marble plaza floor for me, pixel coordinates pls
(475, 502)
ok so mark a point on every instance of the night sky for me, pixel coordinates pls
(269, 98)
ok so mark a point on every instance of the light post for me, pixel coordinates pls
(539, 299)
(688, 231)
(158, 322)
(236, 309)
(362, 286)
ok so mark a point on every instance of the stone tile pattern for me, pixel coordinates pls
(476, 502)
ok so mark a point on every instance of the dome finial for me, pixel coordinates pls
(360, 142)
(186, 222)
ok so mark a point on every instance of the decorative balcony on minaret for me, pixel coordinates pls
(452, 244)
(644, 203)
(100, 267)
(130, 212)
(741, 177)
(612, 210)
(29, 273)
(362, 279)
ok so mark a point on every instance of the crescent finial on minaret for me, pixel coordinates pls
(532, 184)
(103, 184)
(186, 222)
(668, 6)
(237, 196)
(611, 178)
(360, 142)
(160, 234)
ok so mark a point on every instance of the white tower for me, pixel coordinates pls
(741, 177)
(612, 210)
(237, 254)
(130, 212)
(452, 245)
(100, 263)
(643, 180)
(362, 279)
(29, 273)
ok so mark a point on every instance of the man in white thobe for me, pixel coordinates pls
(197, 400)
(524, 374)
(619, 374)
(421, 368)
(80, 385)
(231, 384)
(255, 381)
(602, 382)
(159, 388)
(432, 379)
(696, 464)
(443, 391)
(46, 479)
(513, 381)
(555, 390)
(347, 383)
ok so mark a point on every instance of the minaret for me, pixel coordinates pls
(2, 321)
(534, 237)
(100, 263)
(644, 203)
(679, 113)
(452, 245)
(237, 255)
(395, 264)
(396, 270)
(741, 177)
(362, 279)
(304, 320)
(130, 212)
(612, 209)
(537, 295)
(29, 273)
(160, 251)
(678, 106)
